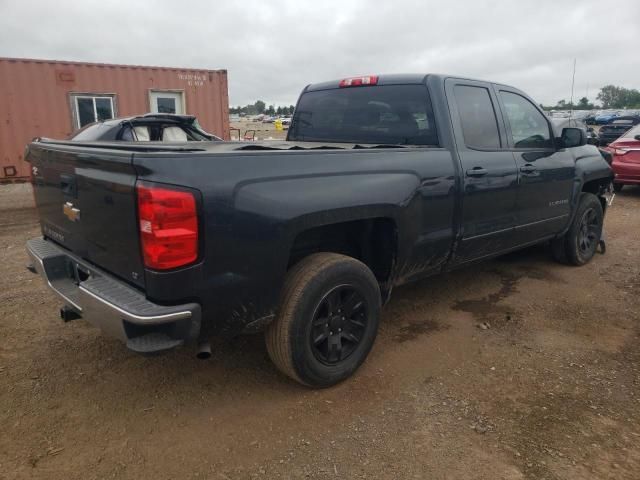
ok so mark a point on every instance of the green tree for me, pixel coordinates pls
(291, 109)
(583, 104)
(259, 106)
(271, 110)
(612, 96)
(279, 110)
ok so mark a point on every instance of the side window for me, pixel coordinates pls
(478, 117)
(529, 128)
(126, 135)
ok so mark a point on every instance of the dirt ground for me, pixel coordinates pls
(549, 389)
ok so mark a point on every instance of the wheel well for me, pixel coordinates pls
(598, 188)
(372, 241)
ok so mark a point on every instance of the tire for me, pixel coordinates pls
(617, 187)
(580, 243)
(304, 339)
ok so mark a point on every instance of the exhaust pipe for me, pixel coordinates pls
(204, 350)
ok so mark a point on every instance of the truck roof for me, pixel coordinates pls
(395, 79)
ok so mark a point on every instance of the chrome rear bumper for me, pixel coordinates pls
(110, 304)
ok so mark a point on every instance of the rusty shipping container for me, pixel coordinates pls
(42, 98)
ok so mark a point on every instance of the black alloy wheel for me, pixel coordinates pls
(339, 324)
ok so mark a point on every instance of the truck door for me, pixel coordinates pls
(489, 173)
(546, 173)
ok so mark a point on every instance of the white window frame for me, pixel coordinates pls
(168, 90)
(74, 97)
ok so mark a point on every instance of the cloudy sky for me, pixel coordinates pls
(272, 49)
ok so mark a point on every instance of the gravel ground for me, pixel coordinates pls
(517, 368)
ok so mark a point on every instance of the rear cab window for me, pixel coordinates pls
(380, 114)
(632, 133)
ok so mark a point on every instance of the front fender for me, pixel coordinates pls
(593, 174)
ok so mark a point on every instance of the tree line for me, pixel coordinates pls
(260, 107)
(609, 96)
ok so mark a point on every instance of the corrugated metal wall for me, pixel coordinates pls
(35, 101)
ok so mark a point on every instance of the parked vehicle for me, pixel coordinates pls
(625, 152)
(590, 119)
(605, 118)
(382, 180)
(561, 123)
(615, 128)
(152, 127)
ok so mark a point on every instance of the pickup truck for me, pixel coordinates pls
(383, 180)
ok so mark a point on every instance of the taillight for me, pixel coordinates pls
(168, 226)
(620, 151)
(359, 81)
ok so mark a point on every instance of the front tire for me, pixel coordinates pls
(580, 243)
(328, 319)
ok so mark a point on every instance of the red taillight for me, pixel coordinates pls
(359, 81)
(168, 226)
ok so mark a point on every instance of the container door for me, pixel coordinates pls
(167, 102)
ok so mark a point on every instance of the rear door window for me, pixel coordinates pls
(478, 117)
(382, 114)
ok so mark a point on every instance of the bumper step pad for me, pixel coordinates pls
(152, 343)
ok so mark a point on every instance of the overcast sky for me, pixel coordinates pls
(272, 49)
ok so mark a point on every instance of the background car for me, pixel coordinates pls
(616, 128)
(605, 117)
(560, 123)
(152, 127)
(626, 158)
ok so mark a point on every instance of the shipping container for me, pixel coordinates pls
(45, 98)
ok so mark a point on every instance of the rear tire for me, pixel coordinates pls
(580, 243)
(328, 319)
(617, 187)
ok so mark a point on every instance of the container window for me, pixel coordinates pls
(88, 108)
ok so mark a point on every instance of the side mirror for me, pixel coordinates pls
(573, 137)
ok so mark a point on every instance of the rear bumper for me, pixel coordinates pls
(110, 304)
(626, 173)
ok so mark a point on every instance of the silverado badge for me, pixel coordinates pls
(71, 212)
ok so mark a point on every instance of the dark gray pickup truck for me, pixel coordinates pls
(382, 180)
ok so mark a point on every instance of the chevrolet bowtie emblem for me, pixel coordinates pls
(71, 212)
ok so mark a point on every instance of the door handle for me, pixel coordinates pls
(477, 172)
(528, 168)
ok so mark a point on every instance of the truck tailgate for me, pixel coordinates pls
(86, 201)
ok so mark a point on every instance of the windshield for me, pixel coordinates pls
(388, 114)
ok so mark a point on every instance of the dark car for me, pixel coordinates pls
(560, 123)
(616, 128)
(152, 127)
(383, 180)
